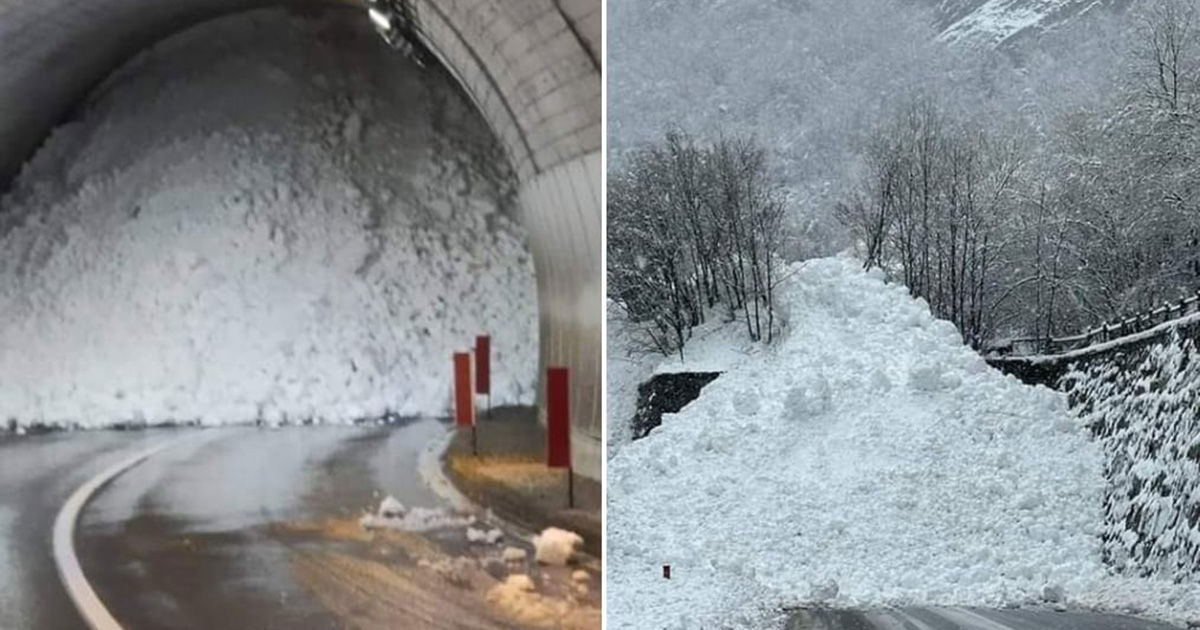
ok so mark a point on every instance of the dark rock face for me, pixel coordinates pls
(1141, 401)
(1050, 371)
(1029, 372)
(1143, 406)
(666, 393)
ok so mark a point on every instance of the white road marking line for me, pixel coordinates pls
(81, 592)
(429, 467)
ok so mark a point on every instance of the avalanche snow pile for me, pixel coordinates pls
(870, 458)
(270, 217)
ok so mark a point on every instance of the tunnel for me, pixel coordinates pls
(531, 68)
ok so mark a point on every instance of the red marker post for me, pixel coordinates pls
(558, 425)
(464, 400)
(483, 369)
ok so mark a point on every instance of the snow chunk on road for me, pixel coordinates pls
(490, 537)
(418, 519)
(514, 554)
(518, 598)
(520, 582)
(556, 546)
(964, 487)
(391, 508)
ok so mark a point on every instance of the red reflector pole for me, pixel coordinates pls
(483, 364)
(558, 425)
(558, 418)
(464, 402)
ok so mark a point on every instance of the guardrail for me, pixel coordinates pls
(1105, 332)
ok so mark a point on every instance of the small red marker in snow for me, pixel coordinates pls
(667, 571)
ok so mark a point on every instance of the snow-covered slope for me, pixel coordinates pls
(995, 22)
(870, 458)
(813, 80)
(626, 365)
(268, 217)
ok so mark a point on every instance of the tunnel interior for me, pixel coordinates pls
(516, 80)
(270, 216)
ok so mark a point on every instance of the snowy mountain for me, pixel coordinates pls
(1004, 22)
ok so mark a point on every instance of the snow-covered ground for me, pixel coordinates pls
(271, 216)
(869, 458)
(714, 346)
(626, 366)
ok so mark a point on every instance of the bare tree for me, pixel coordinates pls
(1170, 44)
(931, 208)
(693, 227)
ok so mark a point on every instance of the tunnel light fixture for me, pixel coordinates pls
(382, 21)
(395, 22)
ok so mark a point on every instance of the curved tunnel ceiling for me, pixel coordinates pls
(531, 66)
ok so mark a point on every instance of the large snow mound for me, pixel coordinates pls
(270, 217)
(884, 464)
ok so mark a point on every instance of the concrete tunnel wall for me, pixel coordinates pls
(532, 67)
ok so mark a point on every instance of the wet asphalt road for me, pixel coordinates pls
(946, 618)
(185, 540)
(37, 474)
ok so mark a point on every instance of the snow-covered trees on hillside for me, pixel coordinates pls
(806, 78)
(1062, 170)
(1093, 217)
(691, 227)
(934, 203)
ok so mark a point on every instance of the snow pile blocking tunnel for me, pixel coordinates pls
(532, 67)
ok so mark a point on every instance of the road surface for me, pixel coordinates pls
(36, 476)
(241, 528)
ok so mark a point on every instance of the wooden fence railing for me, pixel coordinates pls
(1107, 331)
